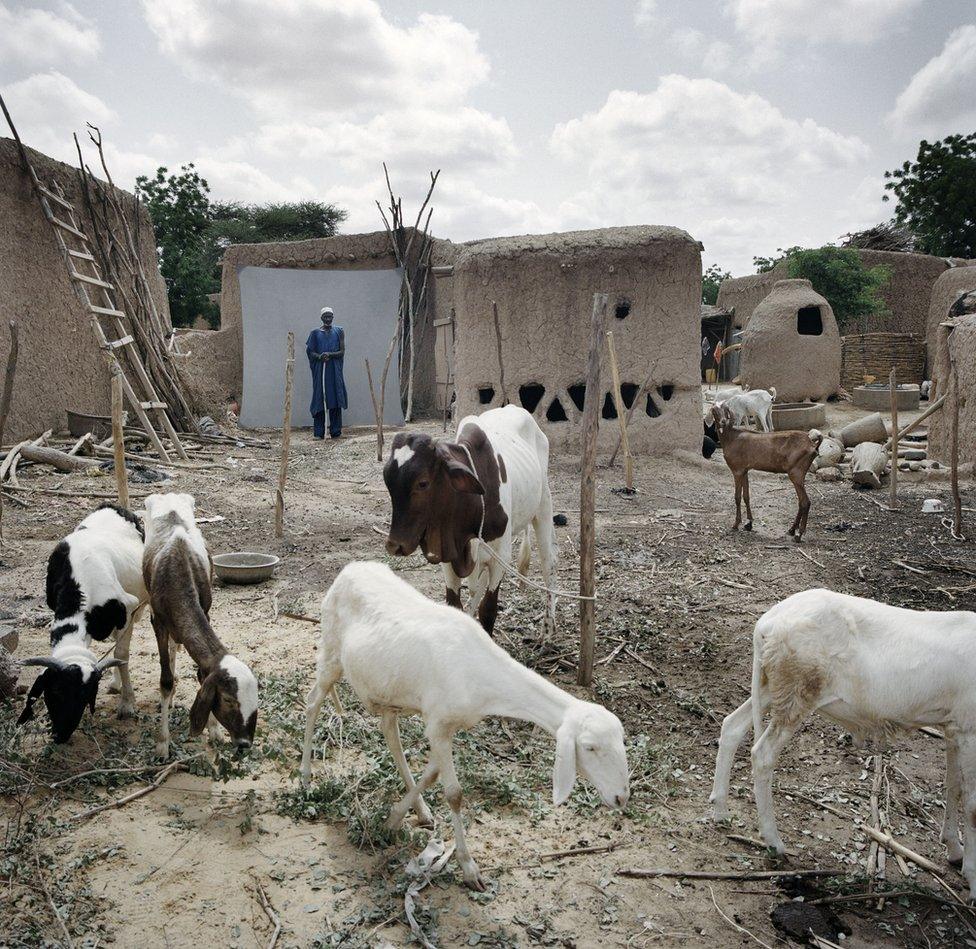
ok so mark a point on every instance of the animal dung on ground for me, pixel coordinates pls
(868, 464)
(797, 920)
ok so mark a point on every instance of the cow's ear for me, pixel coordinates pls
(459, 470)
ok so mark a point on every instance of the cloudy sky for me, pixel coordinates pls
(753, 124)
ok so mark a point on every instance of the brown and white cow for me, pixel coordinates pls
(440, 503)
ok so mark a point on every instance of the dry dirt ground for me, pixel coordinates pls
(187, 864)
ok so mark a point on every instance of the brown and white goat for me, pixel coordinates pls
(177, 570)
(789, 453)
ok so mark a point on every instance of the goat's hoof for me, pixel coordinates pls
(748, 526)
(126, 710)
(954, 861)
(424, 817)
(162, 749)
(797, 538)
(718, 813)
(735, 527)
(474, 881)
(114, 689)
(393, 823)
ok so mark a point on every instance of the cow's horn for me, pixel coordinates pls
(109, 662)
(46, 661)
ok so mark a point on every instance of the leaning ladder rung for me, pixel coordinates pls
(57, 222)
(56, 198)
(80, 255)
(94, 281)
(105, 311)
(117, 343)
(155, 405)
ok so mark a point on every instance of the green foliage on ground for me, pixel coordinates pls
(192, 233)
(936, 196)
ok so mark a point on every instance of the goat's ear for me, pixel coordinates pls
(463, 477)
(203, 704)
(564, 770)
(36, 689)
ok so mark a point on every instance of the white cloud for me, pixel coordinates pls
(841, 21)
(940, 97)
(319, 56)
(710, 55)
(697, 154)
(32, 36)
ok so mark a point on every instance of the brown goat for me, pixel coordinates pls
(789, 453)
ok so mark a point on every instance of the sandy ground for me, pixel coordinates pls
(679, 594)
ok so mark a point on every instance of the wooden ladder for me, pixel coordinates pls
(86, 277)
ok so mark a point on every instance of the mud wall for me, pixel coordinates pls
(342, 252)
(957, 346)
(59, 365)
(213, 367)
(745, 294)
(951, 285)
(776, 354)
(543, 286)
(908, 292)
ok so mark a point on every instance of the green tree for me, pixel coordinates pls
(711, 280)
(937, 196)
(179, 205)
(838, 274)
(765, 264)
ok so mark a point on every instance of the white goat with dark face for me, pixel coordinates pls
(95, 588)
(404, 654)
(177, 570)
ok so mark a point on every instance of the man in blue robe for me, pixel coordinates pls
(326, 348)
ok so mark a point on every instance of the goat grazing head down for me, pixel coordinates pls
(230, 693)
(434, 494)
(67, 688)
(590, 742)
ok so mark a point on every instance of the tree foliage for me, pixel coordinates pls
(711, 280)
(192, 233)
(838, 274)
(937, 196)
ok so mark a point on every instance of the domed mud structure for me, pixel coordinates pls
(792, 343)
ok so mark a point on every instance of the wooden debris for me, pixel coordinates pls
(642, 874)
(285, 439)
(118, 442)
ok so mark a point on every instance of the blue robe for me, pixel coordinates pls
(328, 386)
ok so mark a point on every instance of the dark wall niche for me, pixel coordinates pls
(578, 394)
(609, 409)
(556, 412)
(530, 395)
(651, 409)
(622, 310)
(486, 394)
(666, 391)
(628, 392)
(809, 322)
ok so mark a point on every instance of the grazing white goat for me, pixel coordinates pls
(404, 654)
(95, 589)
(756, 403)
(872, 669)
(177, 571)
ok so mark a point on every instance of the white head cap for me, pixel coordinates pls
(327, 309)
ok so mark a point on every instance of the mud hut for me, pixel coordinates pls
(948, 288)
(792, 342)
(744, 294)
(956, 348)
(59, 366)
(542, 288)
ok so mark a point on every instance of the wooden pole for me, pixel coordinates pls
(498, 347)
(8, 390)
(954, 443)
(377, 412)
(911, 426)
(591, 425)
(621, 414)
(285, 439)
(118, 442)
(893, 482)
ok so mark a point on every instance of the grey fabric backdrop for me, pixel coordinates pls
(275, 300)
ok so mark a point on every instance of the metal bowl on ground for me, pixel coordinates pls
(245, 567)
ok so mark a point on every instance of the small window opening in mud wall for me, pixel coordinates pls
(530, 395)
(556, 412)
(578, 394)
(622, 310)
(665, 391)
(609, 408)
(808, 321)
(628, 392)
(486, 394)
(651, 408)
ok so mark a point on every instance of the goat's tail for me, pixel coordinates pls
(816, 436)
(772, 392)
(757, 647)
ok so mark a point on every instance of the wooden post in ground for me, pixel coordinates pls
(377, 412)
(954, 447)
(118, 441)
(498, 347)
(285, 439)
(893, 482)
(6, 396)
(591, 425)
(621, 414)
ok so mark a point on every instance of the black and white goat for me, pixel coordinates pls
(95, 588)
(177, 571)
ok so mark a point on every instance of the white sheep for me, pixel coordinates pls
(871, 668)
(756, 403)
(404, 654)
